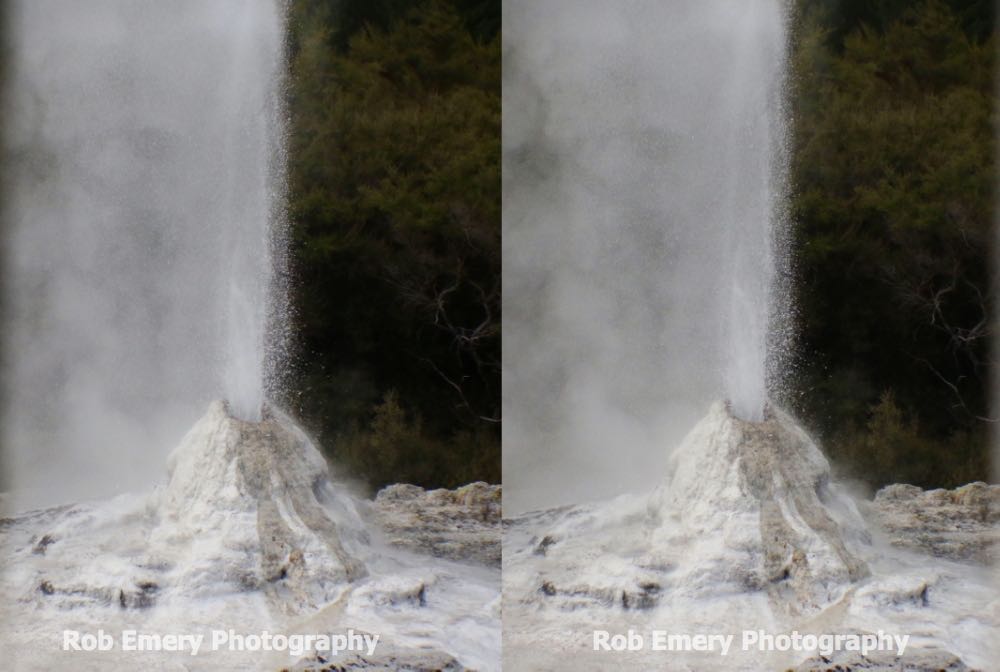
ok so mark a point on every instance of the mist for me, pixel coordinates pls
(643, 240)
(142, 150)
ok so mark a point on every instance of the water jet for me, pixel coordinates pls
(651, 138)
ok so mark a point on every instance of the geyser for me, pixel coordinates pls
(751, 209)
(644, 233)
(143, 239)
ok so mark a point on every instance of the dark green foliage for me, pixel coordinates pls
(841, 18)
(894, 190)
(892, 447)
(343, 19)
(395, 203)
(396, 448)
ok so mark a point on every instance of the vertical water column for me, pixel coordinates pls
(253, 199)
(754, 300)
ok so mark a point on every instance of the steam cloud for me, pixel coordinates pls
(142, 184)
(643, 178)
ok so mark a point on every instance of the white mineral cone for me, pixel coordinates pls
(260, 491)
(757, 503)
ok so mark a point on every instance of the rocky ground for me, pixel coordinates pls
(388, 660)
(920, 661)
(749, 530)
(960, 524)
(250, 532)
(461, 524)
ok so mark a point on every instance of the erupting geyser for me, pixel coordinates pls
(144, 270)
(143, 251)
(751, 210)
(645, 268)
(645, 251)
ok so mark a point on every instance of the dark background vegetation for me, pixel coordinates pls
(894, 184)
(395, 207)
(395, 203)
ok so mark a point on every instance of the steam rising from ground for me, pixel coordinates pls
(643, 176)
(143, 191)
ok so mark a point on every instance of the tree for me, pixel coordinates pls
(894, 189)
(395, 185)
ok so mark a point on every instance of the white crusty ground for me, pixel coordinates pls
(248, 533)
(746, 532)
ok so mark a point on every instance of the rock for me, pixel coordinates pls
(460, 524)
(960, 524)
(394, 592)
(896, 592)
(385, 659)
(916, 660)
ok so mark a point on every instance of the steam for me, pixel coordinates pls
(142, 234)
(643, 254)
